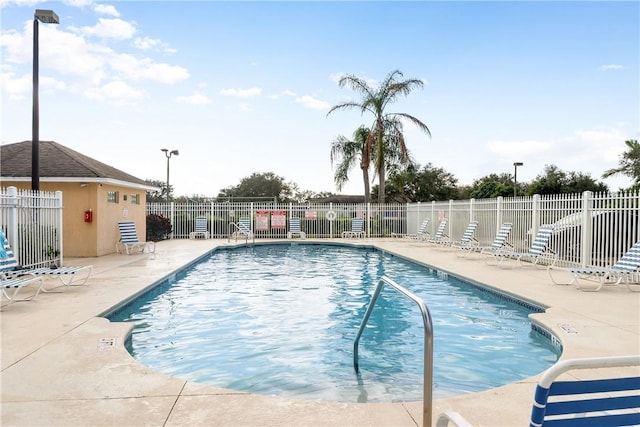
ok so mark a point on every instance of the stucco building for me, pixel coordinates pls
(95, 195)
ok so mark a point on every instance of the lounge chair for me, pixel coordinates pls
(539, 250)
(601, 400)
(467, 238)
(626, 269)
(10, 269)
(242, 229)
(440, 237)
(294, 229)
(498, 243)
(16, 284)
(200, 229)
(129, 239)
(421, 234)
(357, 229)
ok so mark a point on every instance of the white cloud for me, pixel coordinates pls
(147, 43)
(116, 93)
(196, 99)
(312, 103)
(106, 9)
(111, 29)
(241, 93)
(15, 87)
(611, 67)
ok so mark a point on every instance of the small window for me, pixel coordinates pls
(135, 199)
(113, 196)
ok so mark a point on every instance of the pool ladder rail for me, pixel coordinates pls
(427, 395)
(234, 230)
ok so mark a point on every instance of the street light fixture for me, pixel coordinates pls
(47, 17)
(168, 154)
(515, 177)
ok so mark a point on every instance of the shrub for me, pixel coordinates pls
(158, 227)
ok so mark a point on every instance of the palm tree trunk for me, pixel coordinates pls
(367, 189)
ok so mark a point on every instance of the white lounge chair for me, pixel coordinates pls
(200, 229)
(294, 229)
(129, 239)
(10, 269)
(626, 269)
(357, 229)
(539, 250)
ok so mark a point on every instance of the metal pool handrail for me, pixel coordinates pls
(428, 343)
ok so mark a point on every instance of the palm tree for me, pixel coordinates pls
(386, 131)
(629, 163)
(346, 153)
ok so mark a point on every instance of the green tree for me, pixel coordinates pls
(493, 185)
(555, 181)
(156, 196)
(629, 164)
(415, 184)
(259, 186)
(376, 101)
(346, 153)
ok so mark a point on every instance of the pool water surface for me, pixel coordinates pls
(281, 319)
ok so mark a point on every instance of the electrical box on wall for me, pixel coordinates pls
(88, 216)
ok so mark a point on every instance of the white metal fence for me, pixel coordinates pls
(590, 229)
(32, 222)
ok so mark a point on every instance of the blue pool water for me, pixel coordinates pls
(281, 320)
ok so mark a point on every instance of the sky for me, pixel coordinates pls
(244, 87)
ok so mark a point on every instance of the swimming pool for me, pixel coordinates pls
(280, 319)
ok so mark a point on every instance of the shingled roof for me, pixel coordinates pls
(59, 163)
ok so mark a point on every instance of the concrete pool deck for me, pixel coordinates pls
(62, 365)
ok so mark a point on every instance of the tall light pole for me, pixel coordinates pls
(47, 17)
(515, 177)
(168, 154)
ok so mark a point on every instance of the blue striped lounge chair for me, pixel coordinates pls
(357, 229)
(440, 235)
(200, 229)
(420, 234)
(467, 238)
(498, 243)
(129, 241)
(608, 395)
(294, 229)
(10, 269)
(625, 270)
(538, 251)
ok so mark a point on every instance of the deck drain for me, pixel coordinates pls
(106, 344)
(568, 328)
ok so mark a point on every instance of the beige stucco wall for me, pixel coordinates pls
(81, 239)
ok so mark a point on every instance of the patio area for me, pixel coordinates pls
(63, 365)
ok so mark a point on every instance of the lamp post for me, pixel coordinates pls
(168, 155)
(515, 177)
(47, 17)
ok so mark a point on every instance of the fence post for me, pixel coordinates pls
(12, 221)
(586, 232)
(499, 211)
(535, 215)
(59, 210)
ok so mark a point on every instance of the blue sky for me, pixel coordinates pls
(243, 87)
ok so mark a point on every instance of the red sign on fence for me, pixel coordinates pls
(278, 219)
(262, 220)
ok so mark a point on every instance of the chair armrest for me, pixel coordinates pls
(454, 417)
